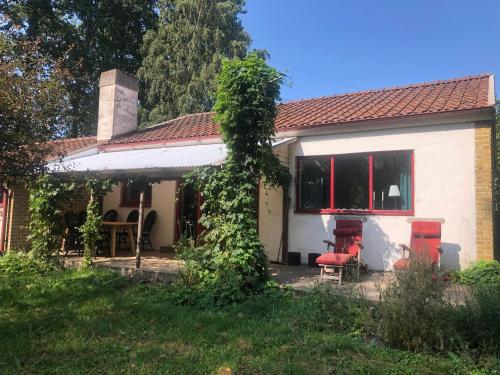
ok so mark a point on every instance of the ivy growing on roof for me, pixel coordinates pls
(231, 262)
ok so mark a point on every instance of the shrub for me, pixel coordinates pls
(477, 321)
(480, 273)
(413, 310)
(21, 263)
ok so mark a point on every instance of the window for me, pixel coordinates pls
(392, 182)
(130, 195)
(380, 183)
(315, 183)
(351, 182)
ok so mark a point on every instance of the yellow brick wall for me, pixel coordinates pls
(484, 192)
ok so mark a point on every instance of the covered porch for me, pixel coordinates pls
(176, 208)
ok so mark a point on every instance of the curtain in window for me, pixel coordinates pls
(405, 190)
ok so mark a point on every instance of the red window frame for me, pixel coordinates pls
(124, 202)
(370, 211)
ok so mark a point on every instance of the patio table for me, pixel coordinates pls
(120, 224)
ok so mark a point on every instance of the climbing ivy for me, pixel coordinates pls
(231, 262)
(48, 197)
(90, 230)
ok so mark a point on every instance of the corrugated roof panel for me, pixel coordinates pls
(181, 157)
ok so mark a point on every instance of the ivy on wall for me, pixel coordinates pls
(90, 230)
(231, 262)
(48, 197)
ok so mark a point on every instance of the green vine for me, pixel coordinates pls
(48, 197)
(90, 230)
(231, 263)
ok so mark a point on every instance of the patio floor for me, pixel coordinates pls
(164, 267)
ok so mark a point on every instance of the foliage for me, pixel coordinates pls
(419, 312)
(23, 264)
(231, 263)
(90, 230)
(48, 197)
(413, 310)
(88, 37)
(94, 321)
(182, 57)
(31, 103)
(481, 272)
(477, 321)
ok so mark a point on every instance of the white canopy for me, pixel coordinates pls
(180, 158)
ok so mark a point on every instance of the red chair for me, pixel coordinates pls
(346, 251)
(425, 241)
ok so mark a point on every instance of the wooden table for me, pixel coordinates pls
(120, 224)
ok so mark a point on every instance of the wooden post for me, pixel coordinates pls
(139, 230)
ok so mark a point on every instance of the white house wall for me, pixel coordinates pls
(271, 221)
(444, 188)
(162, 200)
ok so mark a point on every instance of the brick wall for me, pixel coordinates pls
(19, 218)
(484, 192)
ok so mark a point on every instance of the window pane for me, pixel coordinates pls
(351, 182)
(392, 181)
(315, 183)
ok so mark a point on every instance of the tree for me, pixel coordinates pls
(88, 37)
(232, 261)
(183, 56)
(31, 103)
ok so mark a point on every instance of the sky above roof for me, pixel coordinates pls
(328, 47)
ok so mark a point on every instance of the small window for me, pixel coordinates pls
(392, 182)
(130, 195)
(315, 183)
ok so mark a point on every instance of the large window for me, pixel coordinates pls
(380, 182)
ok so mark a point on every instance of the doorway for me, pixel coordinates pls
(188, 213)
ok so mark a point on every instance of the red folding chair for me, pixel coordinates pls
(425, 241)
(346, 251)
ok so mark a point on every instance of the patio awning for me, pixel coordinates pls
(150, 160)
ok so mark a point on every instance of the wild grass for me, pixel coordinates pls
(95, 321)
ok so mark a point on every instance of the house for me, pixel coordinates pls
(385, 156)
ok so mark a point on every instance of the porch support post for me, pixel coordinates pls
(139, 231)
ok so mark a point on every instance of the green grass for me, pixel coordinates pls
(76, 322)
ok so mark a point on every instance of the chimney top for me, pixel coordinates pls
(119, 77)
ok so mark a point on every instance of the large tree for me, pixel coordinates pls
(31, 104)
(183, 56)
(88, 37)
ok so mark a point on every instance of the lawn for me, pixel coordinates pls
(80, 322)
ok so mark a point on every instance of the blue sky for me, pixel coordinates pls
(330, 46)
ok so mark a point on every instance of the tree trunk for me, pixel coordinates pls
(139, 231)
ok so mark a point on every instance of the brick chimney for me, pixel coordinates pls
(117, 104)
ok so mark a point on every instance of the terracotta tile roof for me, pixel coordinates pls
(61, 147)
(467, 93)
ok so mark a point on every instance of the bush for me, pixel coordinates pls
(480, 273)
(210, 277)
(478, 320)
(21, 263)
(415, 314)
(413, 310)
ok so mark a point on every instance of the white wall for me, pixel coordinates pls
(271, 221)
(162, 200)
(444, 188)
